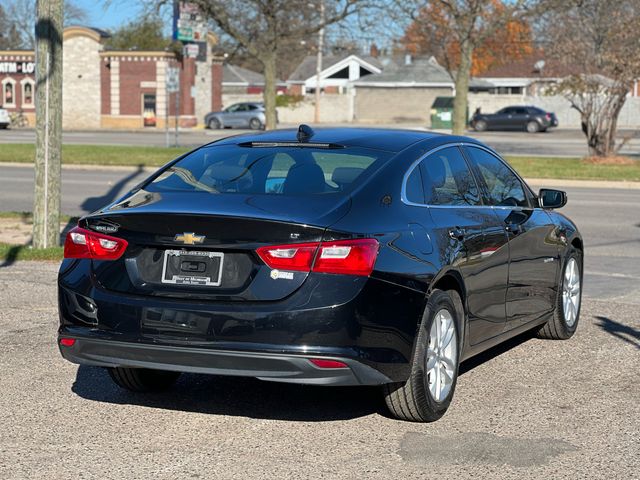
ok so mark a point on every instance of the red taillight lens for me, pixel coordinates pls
(67, 342)
(548, 116)
(297, 257)
(346, 257)
(323, 363)
(82, 243)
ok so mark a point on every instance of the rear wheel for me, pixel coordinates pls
(255, 124)
(565, 318)
(142, 379)
(214, 124)
(533, 127)
(426, 395)
(480, 126)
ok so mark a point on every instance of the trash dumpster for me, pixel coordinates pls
(442, 113)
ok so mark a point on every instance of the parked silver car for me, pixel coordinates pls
(239, 115)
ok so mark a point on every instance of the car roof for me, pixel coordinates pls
(392, 140)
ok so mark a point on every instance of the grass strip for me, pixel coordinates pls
(12, 253)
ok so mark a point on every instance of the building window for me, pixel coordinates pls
(506, 91)
(27, 93)
(8, 93)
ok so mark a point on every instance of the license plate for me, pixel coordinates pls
(183, 267)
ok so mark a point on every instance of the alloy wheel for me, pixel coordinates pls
(442, 354)
(571, 292)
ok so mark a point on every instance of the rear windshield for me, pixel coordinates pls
(270, 170)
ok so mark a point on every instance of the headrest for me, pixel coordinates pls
(436, 170)
(345, 175)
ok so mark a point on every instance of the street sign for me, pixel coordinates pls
(189, 25)
(173, 79)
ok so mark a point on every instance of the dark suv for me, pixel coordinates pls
(531, 119)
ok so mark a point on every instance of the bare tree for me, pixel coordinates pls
(467, 24)
(264, 27)
(598, 42)
(20, 16)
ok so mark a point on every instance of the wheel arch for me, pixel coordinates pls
(451, 280)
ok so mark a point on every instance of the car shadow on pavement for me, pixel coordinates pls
(496, 351)
(238, 396)
(623, 332)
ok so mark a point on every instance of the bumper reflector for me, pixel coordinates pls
(323, 363)
(67, 342)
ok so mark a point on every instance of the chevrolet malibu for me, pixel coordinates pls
(330, 257)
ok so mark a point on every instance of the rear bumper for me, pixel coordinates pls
(281, 367)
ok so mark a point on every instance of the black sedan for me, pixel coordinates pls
(531, 119)
(336, 257)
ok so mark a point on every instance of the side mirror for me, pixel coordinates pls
(549, 198)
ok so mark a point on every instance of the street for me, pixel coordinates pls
(557, 142)
(528, 409)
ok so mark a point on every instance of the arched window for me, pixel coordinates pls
(27, 93)
(9, 92)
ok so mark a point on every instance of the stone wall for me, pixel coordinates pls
(81, 83)
(396, 105)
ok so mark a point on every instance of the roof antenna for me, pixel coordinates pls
(305, 132)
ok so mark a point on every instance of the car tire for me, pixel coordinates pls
(142, 379)
(214, 124)
(414, 400)
(480, 126)
(566, 315)
(255, 124)
(533, 127)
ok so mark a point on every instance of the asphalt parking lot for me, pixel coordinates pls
(529, 409)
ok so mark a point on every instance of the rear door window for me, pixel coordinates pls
(447, 179)
(270, 170)
(502, 186)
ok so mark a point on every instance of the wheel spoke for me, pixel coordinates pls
(431, 360)
(448, 362)
(448, 335)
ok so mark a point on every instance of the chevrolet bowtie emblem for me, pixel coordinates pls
(189, 238)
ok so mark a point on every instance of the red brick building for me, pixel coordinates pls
(116, 89)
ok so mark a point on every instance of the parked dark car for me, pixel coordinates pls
(239, 115)
(531, 119)
(336, 257)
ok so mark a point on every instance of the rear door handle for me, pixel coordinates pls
(457, 233)
(512, 228)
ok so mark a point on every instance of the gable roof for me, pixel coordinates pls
(240, 76)
(234, 74)
(307, 68)
(532, 67)
(421, 72)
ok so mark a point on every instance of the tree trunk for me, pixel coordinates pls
(462, 88)
(46, 206)
(269, 94)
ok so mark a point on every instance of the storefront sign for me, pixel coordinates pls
(17, 67)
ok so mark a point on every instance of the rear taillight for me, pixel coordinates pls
(81, 243)
(548, 116)
(346, 257)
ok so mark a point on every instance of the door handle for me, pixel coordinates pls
(512, 228)
(457, 233)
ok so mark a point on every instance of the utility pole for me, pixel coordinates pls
(46, 204)
(316, 116)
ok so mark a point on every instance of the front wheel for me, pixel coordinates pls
(426, 395)
(480, 126)
(143, 379)
(565, 318)
(214, 124)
